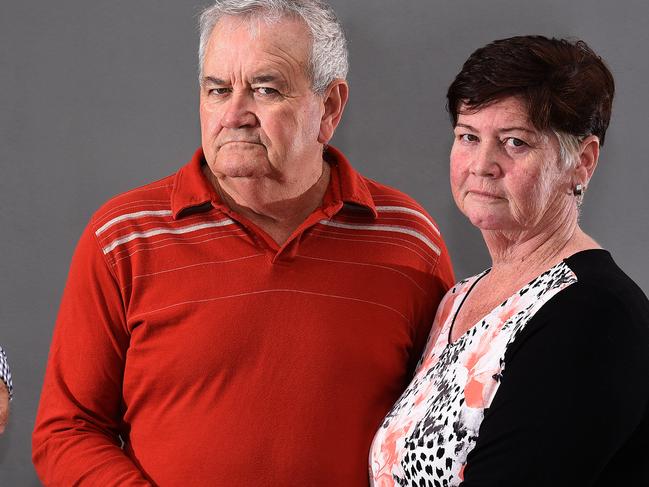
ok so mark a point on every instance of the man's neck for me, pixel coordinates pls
(278, 209)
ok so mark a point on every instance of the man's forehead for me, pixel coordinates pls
(282, 31)
(269, 49)
(270, 69)
(262, 78)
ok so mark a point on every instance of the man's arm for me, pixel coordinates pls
(76, 437)
(441, 280)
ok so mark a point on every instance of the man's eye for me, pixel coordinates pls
(514, 142)
(266, 91)
(218, 91)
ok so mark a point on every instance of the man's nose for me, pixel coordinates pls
(239, 111)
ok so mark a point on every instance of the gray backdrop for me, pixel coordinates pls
(98, 97)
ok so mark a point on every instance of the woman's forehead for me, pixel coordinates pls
(510, 112)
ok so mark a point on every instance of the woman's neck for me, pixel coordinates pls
(516, 260)
(521, 256)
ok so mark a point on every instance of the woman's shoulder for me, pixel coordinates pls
(603, 284)
(595, 265)
(603, 309)
(468, 282)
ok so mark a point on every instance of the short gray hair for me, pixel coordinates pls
(329, 56)
(569, 146)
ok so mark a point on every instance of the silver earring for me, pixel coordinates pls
(579, 190)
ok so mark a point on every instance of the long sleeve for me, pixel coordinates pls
(444, 277)
(76, 437)
(441, 281)
(573, 399)
(5, 373)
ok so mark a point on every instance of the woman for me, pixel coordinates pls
(6, 390)
(536, 372)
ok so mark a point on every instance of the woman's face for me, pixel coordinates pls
(505, 174)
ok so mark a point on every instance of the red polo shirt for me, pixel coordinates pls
(221, 358)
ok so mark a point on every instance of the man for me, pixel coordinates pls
(6, 390)
(250, 319)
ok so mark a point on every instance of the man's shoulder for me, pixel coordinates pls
(150, 198)
(400, 208)
(136, 210)
(360, 188)
(384, 194)
(396, 219)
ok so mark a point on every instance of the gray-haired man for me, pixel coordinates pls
(250, 319)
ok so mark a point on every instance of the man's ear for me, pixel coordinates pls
(334, 100)
(587, 161)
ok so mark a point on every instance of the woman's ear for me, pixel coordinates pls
(587, 160)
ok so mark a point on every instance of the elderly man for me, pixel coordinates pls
(6, 389)
(250, 319)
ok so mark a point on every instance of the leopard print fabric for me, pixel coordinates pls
(426, 437)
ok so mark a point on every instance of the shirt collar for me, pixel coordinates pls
(347, 186)
(191, 188)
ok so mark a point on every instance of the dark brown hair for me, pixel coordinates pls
(565, 85)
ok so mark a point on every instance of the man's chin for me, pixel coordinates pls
(241, 169)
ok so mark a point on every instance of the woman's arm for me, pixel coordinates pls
(6, 390)
(574, 390)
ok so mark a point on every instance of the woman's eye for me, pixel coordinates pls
(514, 142)
(468, 137)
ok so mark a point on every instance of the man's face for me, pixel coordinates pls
(259, 116)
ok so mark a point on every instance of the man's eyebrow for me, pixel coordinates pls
(211, 80)
(264, 78)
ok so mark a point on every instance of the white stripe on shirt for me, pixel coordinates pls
(410, 211)
(131, 216)
(385, 228)
(159, 231)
